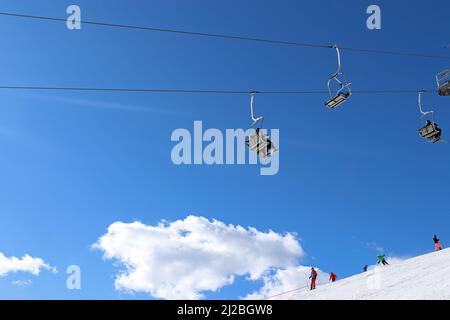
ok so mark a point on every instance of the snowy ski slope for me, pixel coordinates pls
(422, 277)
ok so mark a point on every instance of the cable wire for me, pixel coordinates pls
(285, 292)
(225, 36)
(205, 91)
(183, 32)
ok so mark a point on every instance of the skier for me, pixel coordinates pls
(333, 277)
(365, 268)
(313, 278)
(382, 259)
(437, 244)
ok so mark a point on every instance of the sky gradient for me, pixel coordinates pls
(351, 180)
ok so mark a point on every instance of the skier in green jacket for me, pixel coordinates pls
(382, 260)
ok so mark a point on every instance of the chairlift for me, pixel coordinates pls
(258, 141)
(443, 82)
(344, 92)
(430, 130)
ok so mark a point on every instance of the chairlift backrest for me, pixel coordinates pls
(443, 82)
(428, 129)
(443, 75)
(431, 132)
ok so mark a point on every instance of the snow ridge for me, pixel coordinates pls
(420, 278)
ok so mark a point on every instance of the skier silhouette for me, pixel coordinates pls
(333, 277)
(437, 244)
(382, 260)
(313, 278)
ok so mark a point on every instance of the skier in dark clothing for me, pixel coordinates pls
(365, 268)
(437, 244)
(333, 277)
(313, 278)
(382, 259)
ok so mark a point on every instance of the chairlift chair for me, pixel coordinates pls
(443, 82)
(344, 92)
(430, 131)
(258, 141)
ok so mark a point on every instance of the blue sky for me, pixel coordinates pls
(350, 179)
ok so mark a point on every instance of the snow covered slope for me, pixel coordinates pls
(422, 277)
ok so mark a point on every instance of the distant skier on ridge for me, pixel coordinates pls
(437, 244)
(313, 278)
(382, 260)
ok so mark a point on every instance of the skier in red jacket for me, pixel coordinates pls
(313, 278)
(333, 277)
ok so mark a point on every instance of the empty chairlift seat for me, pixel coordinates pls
(340, 98)
(344, 91)
(443, 83)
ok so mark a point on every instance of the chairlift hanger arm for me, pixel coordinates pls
(339, 68)
(344, 91)
(252, 113)
(424, 113)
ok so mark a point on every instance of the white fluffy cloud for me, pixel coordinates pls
(283, 283)
(24, 264)
(181, 259)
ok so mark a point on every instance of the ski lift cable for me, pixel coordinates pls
(285, 292)
(224, 36)
(204, 91)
